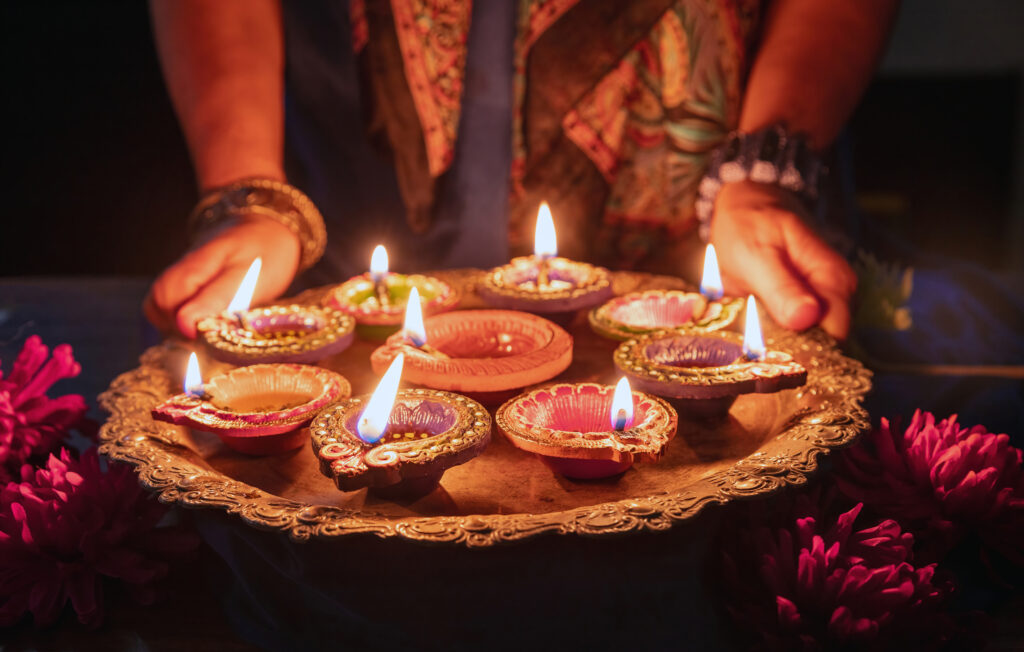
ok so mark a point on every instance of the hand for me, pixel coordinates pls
(205, 279)
(766, 248)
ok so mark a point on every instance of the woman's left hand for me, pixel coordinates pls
(765, 247)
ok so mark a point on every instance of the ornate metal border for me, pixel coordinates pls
(178, 476)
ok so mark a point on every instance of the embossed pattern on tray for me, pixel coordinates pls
(503, 495)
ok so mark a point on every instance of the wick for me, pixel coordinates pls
(239, 316)
(380, 288)
(712, 294)
(620, 419)
(426, 348)
(198, 393)
(542, 273)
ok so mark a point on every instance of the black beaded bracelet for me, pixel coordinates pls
(770, 155)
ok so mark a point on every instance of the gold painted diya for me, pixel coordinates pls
(570, 427)
(360, 297)
(428, 432)
(486, 354)
(279, 333)
(569, 285)
(259, 409)
(639, 313)
(703, 373)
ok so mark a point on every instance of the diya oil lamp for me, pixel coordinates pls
(639, 313)
(486, 354)
(259, 409)
(377, 299)
(277, 333)
(703, 373)
(544, 283)
(589, 431)
(398, 442)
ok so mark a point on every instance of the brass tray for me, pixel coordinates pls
(503, 495)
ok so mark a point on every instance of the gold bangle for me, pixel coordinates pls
(276, 200)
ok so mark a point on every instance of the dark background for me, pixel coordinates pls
(97, 179)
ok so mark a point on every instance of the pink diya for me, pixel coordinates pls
(279, 333)
(639, 313)
(377, 299)
(486, 354)
(588, 431)
(398, 442)
(705, 372)
(259, 409)
(544, 283)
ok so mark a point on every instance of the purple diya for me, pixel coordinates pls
(428, 432)
(704, 372)
(279, 333)
(259, 409)
(360, 297)
(570, 428)
(487, 354)
(569, 286)
(639, 313)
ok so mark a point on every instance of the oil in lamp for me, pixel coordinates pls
(589, 431)
(275, 333)
(703, 373)
(377, 299)
(545, 283)
(486, 354)
(398, 442)
(259, 409)
(644, 312)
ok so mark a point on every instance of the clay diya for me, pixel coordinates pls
(703, 373)
(544, 283)
(639, 313)
(487, 354)
(398, 443)
(259, 409)
(377, 299)
(588, 431)
(278, 333)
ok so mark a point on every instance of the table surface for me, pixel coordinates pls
(101, 319)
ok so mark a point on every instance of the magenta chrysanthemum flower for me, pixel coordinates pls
(811, 586)
(31, 423)
(940, 478)
(68, 525)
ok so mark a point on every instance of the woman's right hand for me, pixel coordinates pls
(205, 279)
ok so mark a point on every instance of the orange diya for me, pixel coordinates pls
(398, 443)
(259, 409)
(703, 373)
(277, 333)
(377, 299)
(545, 283)
(486, 354)
(639, 313)
(588, 431)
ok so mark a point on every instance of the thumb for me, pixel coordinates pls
(212, 299)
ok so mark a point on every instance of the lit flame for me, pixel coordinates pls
(194, 379)
(711, 282)
(545, 245)
(622, 405)
(379, 263)
(753, 343)
(243, 297)
(373, 422)
(413, 327)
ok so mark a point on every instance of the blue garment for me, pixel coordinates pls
(328, 155)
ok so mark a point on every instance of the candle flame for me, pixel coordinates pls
(193, 379)
(622, 405)
(711, 282)
(373, 422)
(545, 244)
(243, 297)
(379, 263)
(753, 342)
(413, 327)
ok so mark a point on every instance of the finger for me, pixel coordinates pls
(182, 280)
(212, 299)
(828, 275)
(785, 295)
(160, 319)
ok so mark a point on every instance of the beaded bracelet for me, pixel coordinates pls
(770, 155)
(276, 200)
